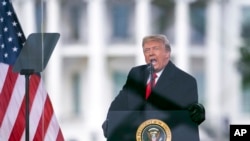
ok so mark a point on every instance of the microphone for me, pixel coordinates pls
(150, 67)
(151, 71)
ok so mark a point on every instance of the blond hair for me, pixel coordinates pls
(157, 37)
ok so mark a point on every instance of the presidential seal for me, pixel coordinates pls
(153, 130)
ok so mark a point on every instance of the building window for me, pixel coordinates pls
(245, 28)
(245, 98)
(163, 18)
(74, 21)
(76, 94)
(40, 15)
(198, 22)
(121, 15)
(198, 71)
(119, 79)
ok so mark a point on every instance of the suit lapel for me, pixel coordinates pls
(166, 77)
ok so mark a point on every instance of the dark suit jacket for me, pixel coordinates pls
(174, 90)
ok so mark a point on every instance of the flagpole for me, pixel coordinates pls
(27, 73)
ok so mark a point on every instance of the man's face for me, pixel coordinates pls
(156, 52)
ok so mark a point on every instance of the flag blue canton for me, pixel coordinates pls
(11, 34)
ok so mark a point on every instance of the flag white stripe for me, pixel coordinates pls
(4, 69)
(53, 129)
(37, 109)
(13, 108)
(23, 136)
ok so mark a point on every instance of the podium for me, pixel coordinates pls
(151, 126)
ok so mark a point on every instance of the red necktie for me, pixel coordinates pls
(148, 88)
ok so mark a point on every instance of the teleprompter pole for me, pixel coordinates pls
(27, 73)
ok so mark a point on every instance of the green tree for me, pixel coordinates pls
(244, 63)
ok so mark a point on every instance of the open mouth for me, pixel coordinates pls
(153, 61)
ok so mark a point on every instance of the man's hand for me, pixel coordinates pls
(197, 113)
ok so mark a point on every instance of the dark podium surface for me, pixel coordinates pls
(123, 125)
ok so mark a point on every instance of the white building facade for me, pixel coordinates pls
(101, 40)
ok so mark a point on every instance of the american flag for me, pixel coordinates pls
(43, 123)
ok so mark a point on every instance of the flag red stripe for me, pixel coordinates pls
(44, 120)
(7, 90)
(34, 83)
(19, 126)
(59, 136)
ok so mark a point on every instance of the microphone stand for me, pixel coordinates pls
(151, 72)
(150, 68)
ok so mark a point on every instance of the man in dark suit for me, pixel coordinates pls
(169, 87)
